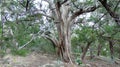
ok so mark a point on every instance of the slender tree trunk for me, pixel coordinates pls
(111, 49)
(119, 55)
(99, 49)
(2, 32)
(82, 48)
(91, 53)
(85, 50)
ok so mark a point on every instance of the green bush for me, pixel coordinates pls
(22, 52)
(2, 53)
(78, 61)
(41, 45)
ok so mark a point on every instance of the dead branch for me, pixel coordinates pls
(33, 37)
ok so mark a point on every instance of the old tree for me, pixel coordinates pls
(64, 17)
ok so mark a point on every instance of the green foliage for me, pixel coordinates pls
(73, 0)
(86, 34)
(2, 53)
(22, 33)
(105, 50)
(108, 30)
(22, 52)
(0, 33)
(41, 45)
(78, 61)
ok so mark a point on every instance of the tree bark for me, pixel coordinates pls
(85, 50)
(63, 22)
(65, 42)
(91, 53)
(111, 13)
(64, 33)
(99, 49)
(111, 49)
(82, 48)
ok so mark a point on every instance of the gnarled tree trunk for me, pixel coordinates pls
(63, 21)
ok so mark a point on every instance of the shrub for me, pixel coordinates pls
(22, 52)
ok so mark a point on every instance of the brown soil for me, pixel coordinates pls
(32, 60)
(45, 60)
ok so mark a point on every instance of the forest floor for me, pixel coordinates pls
(45, 60)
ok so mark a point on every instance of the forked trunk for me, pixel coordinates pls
(63, 21)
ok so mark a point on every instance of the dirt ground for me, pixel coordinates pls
(45, 60)
(102, 62)
(32, 60)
